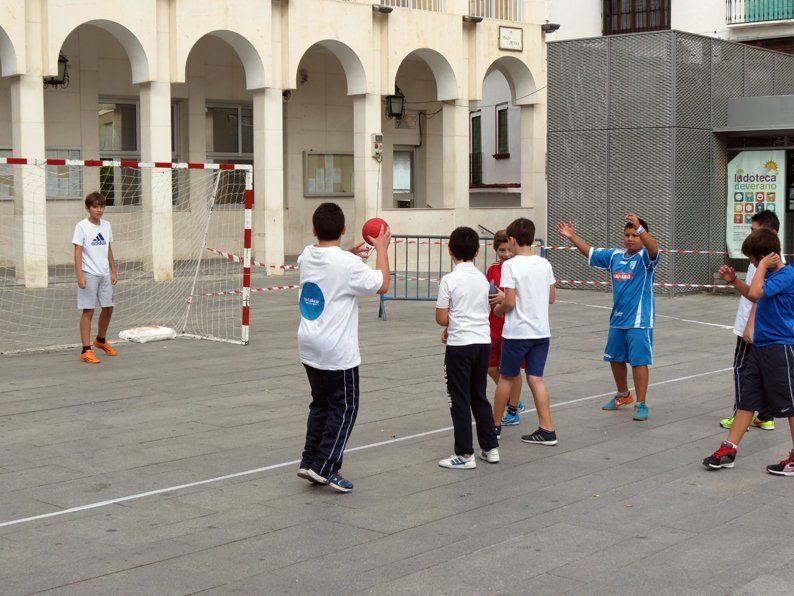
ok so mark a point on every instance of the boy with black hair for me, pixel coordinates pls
(767, 377)
(494, 276)
(331, 280)
(744, 325)
(95, 269)
(529, 289)
(462, 308)
(630, 338)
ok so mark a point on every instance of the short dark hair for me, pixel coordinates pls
(767, 219)
(94, 199)
(464, 243)
(499, 238)
(523, 230)
(643, 223)
(328, 221)
(760, 243)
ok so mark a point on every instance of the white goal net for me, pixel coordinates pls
(180, 267)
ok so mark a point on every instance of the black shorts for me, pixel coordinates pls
(768, 381)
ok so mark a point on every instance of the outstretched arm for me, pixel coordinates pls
(728, 274)
(648, 241)
(566, 229)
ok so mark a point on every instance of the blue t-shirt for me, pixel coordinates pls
(632, 286)
(774, 316)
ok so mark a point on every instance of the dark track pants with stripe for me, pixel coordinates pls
(332, 414)
(739, 360)
(466, 372)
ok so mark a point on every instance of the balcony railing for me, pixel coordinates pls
(504, 10)
(758, 11)
(431, 5)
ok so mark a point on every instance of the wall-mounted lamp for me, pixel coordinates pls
(395, 104)
(549, 27)
(286, 94)
(62, 80)
(467, 18)
(382, 8)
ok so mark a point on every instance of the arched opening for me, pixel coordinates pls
(413, 167)
(8, 56)
(496, 136)
(318, 135)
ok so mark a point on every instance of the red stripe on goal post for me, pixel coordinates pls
(247, 242)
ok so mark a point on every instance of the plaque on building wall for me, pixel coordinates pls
(511, 38)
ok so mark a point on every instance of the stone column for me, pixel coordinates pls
(89, 108)
(533, 163)
(156, 183)
(368, 171)
(268, 224)
(455, 145)
(30, 197)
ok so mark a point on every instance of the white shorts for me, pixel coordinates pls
(96, 287)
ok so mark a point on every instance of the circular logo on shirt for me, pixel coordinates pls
(311, 301)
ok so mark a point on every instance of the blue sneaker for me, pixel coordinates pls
(641, 412)
(340, 484)
(511, 419)
(520, 406)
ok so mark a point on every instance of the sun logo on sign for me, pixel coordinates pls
(771, 166)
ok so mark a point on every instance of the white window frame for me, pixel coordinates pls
(231, 157)
(502, 107)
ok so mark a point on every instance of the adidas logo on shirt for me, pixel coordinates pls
(99, 240)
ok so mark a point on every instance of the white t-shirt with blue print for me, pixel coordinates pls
(632, 285)
(331, 280)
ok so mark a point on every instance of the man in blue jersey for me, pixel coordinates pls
(631, 322)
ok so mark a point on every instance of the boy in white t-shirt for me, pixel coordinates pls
(96, 275)
(331, 280)
(743, 328)
(528, 281)
(462, 309)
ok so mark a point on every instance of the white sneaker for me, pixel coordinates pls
(491, 456)
(458, 462)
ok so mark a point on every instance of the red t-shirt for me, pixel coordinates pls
(494, 274)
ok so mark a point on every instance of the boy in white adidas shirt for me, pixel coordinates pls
(331, 280)
(462, 308)
(96, 275)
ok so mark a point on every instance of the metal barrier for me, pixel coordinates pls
(419, 262)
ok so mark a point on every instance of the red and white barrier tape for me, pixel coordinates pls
(659, 284)
(237, 259)
(667, 251)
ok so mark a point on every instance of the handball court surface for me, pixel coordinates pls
(618, 507)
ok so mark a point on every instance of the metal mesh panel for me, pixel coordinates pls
(727, 79)
(690, 206)
(640, 180)
(577, 95)
(784, 75)
(719, 190)
(640, 80)
(759, 72)
(693, 81)
(577, 192)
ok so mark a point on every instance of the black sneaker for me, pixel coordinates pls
(722, 457)
(541, 437)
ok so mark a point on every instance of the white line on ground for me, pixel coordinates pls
(285, 464)
(657, 314)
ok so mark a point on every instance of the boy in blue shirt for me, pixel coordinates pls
(631, 322)
(767, 380)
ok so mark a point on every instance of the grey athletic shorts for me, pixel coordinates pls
(96, 287)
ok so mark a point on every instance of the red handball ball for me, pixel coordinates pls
(371, 229)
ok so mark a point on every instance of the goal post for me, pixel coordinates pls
(181, 239)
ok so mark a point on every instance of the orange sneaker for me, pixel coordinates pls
(616, 402)
(89, 358)
(109, 350)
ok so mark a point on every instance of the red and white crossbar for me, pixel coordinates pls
(100, 163)
(238, 259)
(252, 290)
